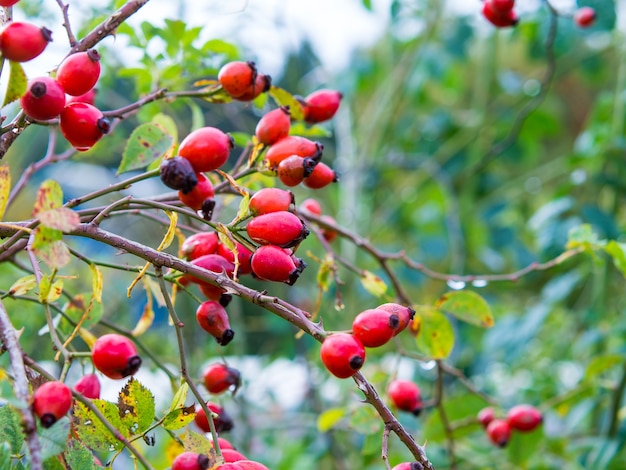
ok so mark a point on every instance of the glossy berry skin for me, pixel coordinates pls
(404, 314)
(177, 173)
(405, 395)
(213, 319)
(51, 402)
(216, 264)
(206, 148)
(219, 377)
(196, 198)
(502, 5)
(83, 125)
(585, 17)
(292, 145)
(88, 386)
(292, 170)
(268, 200)
(261, 84)
(115, 356)
(79, 72)
(311, 205)
(321, 176)
(222, 421)
(282, 228)
(272, 263)
(89, 97)
(8, 3)
(408, 466)
(191, 461)
(374, 327)
(244, 256)
(44, 99)
(231, 455)
(237, 77)
(273, 126)
(499, 432)
(524, 418)
(500, 19)
(224, 443)
(321, 105)
(342, 354)
(200, 244)
(228, 466)
(21, 42)
(251, 465)
(486, 416)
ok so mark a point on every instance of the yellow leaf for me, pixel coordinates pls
(373, 284)
(180, 397)
(96, 282)
(5, 188)
(50, 291)
(23, 285)
(87, 337)
(146, 320)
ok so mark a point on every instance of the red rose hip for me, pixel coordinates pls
(584, 17)
(52, 401)
(292, 145)
(201, 196)
(83, 125)
(115, 356)
(206, 148)
(21, 42)
(272, 263)
(374, 327)
(282, 228)
(524, 418)
(89, 386)
(200, 244)
(404, 314)
(222, 421)
(219, 377)
(268, 200)
(499, 432)
(486, 416)
(405, 395)
(321, 105)
(342, 354)
(213, 319)
(44, 99)
(273, 126)
(79, 73)
(191, 461)
(237, 77)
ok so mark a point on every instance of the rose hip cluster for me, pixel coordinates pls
(522, 418)
(343, 354)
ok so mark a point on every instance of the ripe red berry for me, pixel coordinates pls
(585, 17)
(228, 466)
(237, 77)
(201, 196)
(244, 256)
(231, 455)
(321, 105)
(44, 99)
(89, 97)
(251, 465)
(329, 234)
(268, 200)
(498, 18)
(272, 263)
(312, 205)
(273, 126)
(524, 418)
(213, 319)
(406, 396)
(321, 176)
(486, 416)
(51, 402)
(79, 72)
(282, 228)
(21, 42)
(408, 466)
(219, 377)
(292, 145)
(374, 327)
(89, 386)
(8, 3)
(342, 354)
(261, 84)
(222, 421)
(292, 170)
(115, 356)
(499, 432)
(404, 314)
(191, 461)
(224, 443)
(206, 148)
(502, 5)
(216, 264)
(83, 125)
(200, 244)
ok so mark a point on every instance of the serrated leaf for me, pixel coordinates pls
(90, 429)
(5, 188)
(584, 236)
(617, 251)
(324, 273)
(329, 418)
(147, 143)
(11, 428)
(61, 218)
(18, 82)
(49, 196)
(284, 98)
(198, 443)
(436, 336)
(373, 284)
(97, 281)
(467, 306)
(50, 291)
(78, 457)
(54, 439)
(23, 285)
(179, 418)
(167, 123)
(136, 405)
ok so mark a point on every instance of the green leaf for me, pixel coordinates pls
(457, 408)
(180, 397)
(329, 418)
(467, 306)
(53, 463)
(79, 457)
(54, 439)
(50, 291)
(284, 98)
(61, 218)
(301, 129)
(367, 4)
(136, 405)
(617, 251)
(10, 428)
(241, 138)
(55, 254)
(436, 336)
(179, 418)
(324, 273)
(373, 284)
(18, 83)
(198, 443)
(148, 143)
(5, 188)
(600, 364)
(5, 456)
(90, 429)
(584, 236)
(49, 196)
(366, 420)
(168, 124)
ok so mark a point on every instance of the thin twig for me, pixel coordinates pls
(66, 22)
